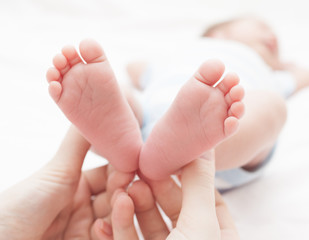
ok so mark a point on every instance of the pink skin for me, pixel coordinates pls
(200, 117)
(86, 90)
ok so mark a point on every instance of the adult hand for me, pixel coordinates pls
(60, 202)
(196, 210)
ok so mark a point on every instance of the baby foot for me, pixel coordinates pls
(87, 92)
(203, 114)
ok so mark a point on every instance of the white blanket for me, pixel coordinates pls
(31, 126)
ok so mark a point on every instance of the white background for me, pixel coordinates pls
(31, 126)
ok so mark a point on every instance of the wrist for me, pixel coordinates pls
(15, 225)
(16, 217)
(9, 224)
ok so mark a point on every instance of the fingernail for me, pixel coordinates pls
(105, 227)
(115, 195)
(209, 155)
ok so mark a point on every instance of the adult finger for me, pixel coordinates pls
(71, 154)
(96, 179)
(169, 196)
(198, 214)
(122, 218)
(101, 230)
(103, 182)
(63, 171)
(227, 226)
(118, 180)
(102, 205)
(149, 218)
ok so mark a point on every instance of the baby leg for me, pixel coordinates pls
(258, 131)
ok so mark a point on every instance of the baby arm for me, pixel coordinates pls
(300, 74)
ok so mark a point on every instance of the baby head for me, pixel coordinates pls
(251, 32)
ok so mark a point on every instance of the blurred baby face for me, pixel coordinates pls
(257, 35)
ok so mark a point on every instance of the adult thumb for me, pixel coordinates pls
(71, 153)
(198, 214)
